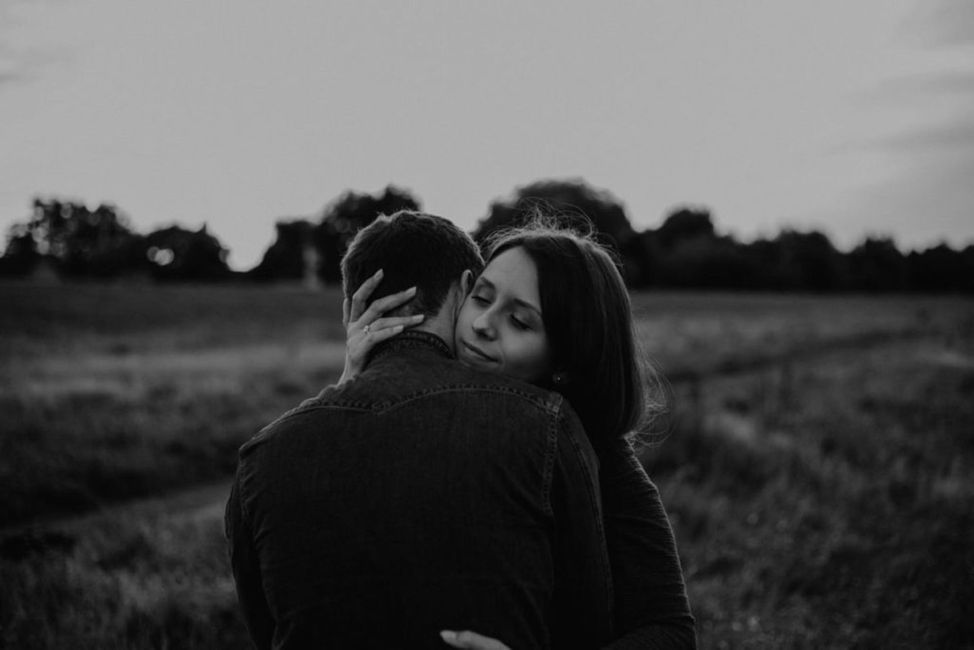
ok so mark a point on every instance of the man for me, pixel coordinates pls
(422, 495)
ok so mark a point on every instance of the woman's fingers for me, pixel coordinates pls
(383, 328)
(361, 296)
(388, 303)
(366, 326)
(359, 308)
(468, 639)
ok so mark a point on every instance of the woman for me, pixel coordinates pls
(551, 308)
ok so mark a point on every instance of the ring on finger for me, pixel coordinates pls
(367, 328)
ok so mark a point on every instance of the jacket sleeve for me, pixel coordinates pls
(246, 572)
(582, 599)
(651, 605)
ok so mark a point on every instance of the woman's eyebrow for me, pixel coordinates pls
(483, 281)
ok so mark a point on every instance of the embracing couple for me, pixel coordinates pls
(469, 482)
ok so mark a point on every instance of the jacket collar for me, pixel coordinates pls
(411, 340)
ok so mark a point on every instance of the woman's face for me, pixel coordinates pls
(500, 327)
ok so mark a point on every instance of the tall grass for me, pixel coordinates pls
(114, 392)
(157, 581)
(831, 504)
(818, 471)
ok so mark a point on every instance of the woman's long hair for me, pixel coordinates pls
(588, 320)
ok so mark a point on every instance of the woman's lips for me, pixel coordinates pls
(478, 353)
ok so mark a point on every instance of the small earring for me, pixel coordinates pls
(559, 378)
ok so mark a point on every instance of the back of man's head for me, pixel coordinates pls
(412, 249)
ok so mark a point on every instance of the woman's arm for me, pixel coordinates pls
(651, 605)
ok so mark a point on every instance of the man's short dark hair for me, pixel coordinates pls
(413, 249)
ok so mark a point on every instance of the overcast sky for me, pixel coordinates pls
(852, 116)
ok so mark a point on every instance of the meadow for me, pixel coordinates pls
(817, 460)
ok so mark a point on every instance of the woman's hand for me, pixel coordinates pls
(472, 640)
(364, 327)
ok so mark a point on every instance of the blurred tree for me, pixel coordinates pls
(348, 214)
(967, 269)
(942, 269)
(877, 265)
(48, 225)
(101, 244)
(685, 251)
(569, 202)
(643, 255)
(177, 254)
(20, 256)
(683, 224)
(285, 258)
(84, 242)
(707, 263)
(574, 204)
(807, 261)
(765, 258)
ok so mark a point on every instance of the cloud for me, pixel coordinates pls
(928, 203)
(942, 23)
(14, 72)
(922, 85)
(950, 134)
(955, 20)
(956, 136)
(20, 60)
(938, 105)
(930, 197)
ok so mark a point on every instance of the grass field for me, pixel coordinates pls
(818, 468)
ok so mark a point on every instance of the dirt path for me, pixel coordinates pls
(204, 500)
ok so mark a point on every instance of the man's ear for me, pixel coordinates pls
(465, 286)
(466, 282)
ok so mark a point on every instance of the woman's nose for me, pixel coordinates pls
(483, 326)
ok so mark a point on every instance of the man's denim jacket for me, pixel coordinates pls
(418, 497)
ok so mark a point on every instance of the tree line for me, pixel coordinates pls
(685, 251)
